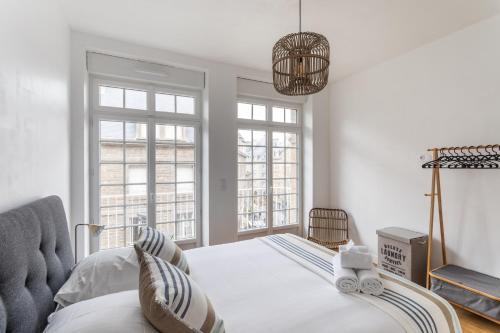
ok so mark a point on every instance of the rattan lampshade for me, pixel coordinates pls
(300, 63)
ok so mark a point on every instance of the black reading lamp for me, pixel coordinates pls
(94, 230)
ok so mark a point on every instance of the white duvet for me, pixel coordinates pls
(254, 288)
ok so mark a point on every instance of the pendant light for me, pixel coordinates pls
(300, 62)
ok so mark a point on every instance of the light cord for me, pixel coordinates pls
(300, 16)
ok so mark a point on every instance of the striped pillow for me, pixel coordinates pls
(157, 244)
(171, 301)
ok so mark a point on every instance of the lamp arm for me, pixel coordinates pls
(76, 240)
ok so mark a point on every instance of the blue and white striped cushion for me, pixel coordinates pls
(159, 245)
(171, 301)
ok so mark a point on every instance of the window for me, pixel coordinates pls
(252, 179)
(251, 111)
(268, 166)
(145, 161)
(175, 103)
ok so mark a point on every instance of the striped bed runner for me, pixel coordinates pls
(414, 307)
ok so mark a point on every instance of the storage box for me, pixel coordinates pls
(403, 252)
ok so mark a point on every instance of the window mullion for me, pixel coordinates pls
(152, 173)
(124, 164)
(269, 163)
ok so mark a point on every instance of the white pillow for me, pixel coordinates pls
(114, 313)
(101, 273)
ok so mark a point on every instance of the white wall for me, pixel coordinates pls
(383, 119)
(219, 170)
(34, 102)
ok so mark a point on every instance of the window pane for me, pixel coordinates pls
(259, 187)
(279, 218)
(259, 154)
(185, 192)
(245, 154)
(136, 99)
(244, 205)
(136, 215)
(278, 155)
(259, 112)
(184, 230)
(111, 195)
(132, 234)
(111, 152)
(165, 133)
(291, 170)
(185, 134)
(278, 139)
(137, 173)
(278, 115)
(111, 238)
(279, 202)
(292, 216)
(166, 228)
(185, 172)
(136, 194)
(291, 139)
(185, 153)
(112, 217)
(291, 185)
(291, 116)
(111, 130)
(165, 193)
(259, 220)
(291, 155)
(165, 213)
(259, 138)
(136, 132)
(260, 204)
(112, 97)
(165, 173)
(136, 152)
(185, 104)
(279, 186)
(165, 152)
(111, 174)
(244, 188)
(244, 111)
(245, 222)
(184, 211)
(245, 171)
(259, 171)
(292, 201)
(278, 171)
(165, 103)
(245, 137)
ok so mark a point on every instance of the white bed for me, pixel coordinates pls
(257, 289)
(260, 286)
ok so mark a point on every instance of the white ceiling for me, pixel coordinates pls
(362, 33)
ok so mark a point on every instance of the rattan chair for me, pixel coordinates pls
(328, 227)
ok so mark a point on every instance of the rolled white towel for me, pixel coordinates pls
(345, 279)
(356, 257)
(370, 281)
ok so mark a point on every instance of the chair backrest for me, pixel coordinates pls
(328, 225)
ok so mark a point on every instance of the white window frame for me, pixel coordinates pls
(269, 126)
(151, 117)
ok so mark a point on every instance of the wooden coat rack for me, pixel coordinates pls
(467, 157)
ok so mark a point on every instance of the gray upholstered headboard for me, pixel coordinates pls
(35, 261)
